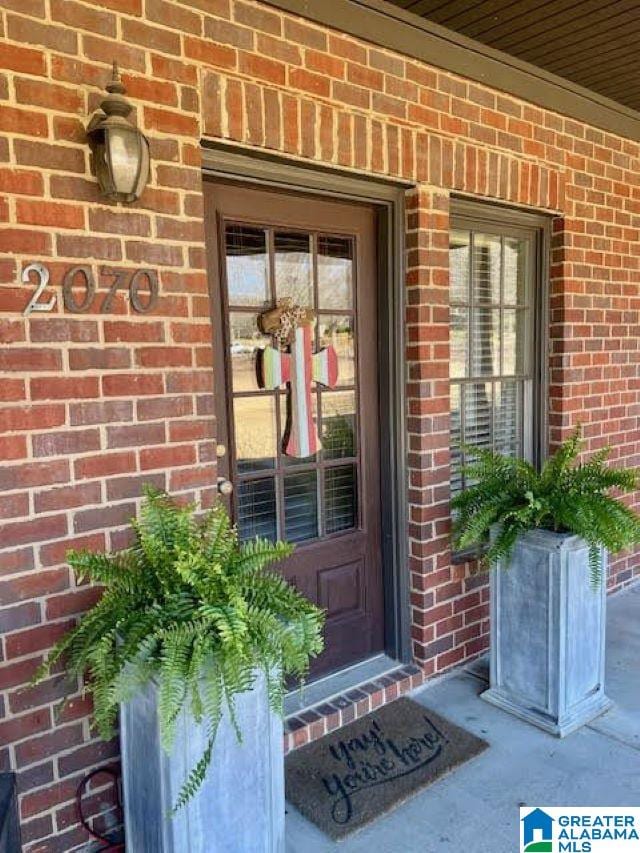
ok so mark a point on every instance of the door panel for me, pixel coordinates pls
(265, 247)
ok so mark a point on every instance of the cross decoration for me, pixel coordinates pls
(292, 326)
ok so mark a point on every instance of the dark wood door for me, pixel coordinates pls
(276, 399)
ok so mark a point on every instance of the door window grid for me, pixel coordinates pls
(288, 483)
(492, 365)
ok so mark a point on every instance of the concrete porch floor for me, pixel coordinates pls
(475, 808)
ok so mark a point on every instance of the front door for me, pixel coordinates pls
(296, 371)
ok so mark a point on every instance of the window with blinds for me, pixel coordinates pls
(494, 361)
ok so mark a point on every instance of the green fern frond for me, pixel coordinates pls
(194, 611)
(509, 496)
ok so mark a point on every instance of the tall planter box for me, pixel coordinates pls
(240, 806)
(547, 634)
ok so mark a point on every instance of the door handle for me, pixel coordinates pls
(225, 487)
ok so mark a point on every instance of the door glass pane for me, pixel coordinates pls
(515, 271)
(514, 342)
(486, 268)
(485, 341)
(340, 498)
(335, 273)
(338, 332)
(459, 319)
(246, 253)
(255, 431)
(293, 267)
(244, 340)
(256, 502)
(459, 266)
(301, 506)
(338, 424)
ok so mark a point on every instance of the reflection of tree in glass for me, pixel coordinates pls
(338, 437)
(293, 267)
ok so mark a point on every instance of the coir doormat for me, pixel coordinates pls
(357, 773)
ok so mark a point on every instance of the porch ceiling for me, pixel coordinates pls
(593, 43)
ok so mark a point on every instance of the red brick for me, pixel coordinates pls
(172, 69)
(71, 603)
(46, 798)
(95, 753)
(117, 222)
(135, 435)
(33, 474)
(164, 357)
(23, 59)
(31, 417)
(123, 330)
(104, 358)
(62, 330)
(100, 412)
(25, 359)
(217, 55)
(164, 407)
(36, 584)
(160, 39)
(110, 516)
(104, 248)
(63, 388)
(63, 443)
(67, 497)
(79, 16)
(13, 506)
(13, 447)
(55, 553)
(50, 744)
(44, 94)
(104, 465)
(120, 488)
(49, 213)
(25, 242)
(166, 121)
(27, 725)
(132, 384)
(21, 182)
(61, 157)
(172, 456)
(191, 477)
(14, 618)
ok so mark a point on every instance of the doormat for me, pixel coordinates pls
(363, 770)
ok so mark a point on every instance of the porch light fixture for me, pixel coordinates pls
(120, 149)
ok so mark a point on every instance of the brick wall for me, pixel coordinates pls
(94, 405)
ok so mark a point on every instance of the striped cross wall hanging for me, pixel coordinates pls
(292, 326)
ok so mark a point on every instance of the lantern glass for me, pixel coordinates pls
(124, 156)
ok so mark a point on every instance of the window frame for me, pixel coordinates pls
(466, 215)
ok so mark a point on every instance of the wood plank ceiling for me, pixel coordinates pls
(595, 43)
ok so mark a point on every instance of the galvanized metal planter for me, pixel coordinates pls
(547, 634)
(240, 806)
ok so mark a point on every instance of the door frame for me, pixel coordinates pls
(253, 168)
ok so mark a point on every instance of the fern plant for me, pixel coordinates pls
(567, 496)
(196, 611)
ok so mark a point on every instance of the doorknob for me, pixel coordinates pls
(225, 487)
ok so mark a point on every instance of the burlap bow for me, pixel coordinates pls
(282, 321)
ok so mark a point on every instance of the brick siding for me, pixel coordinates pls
(94, 405)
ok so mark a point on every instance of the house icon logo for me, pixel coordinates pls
(537, 832)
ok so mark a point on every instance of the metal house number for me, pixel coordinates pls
(143, 289)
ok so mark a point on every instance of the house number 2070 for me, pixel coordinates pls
(79, 289)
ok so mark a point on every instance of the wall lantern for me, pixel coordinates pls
(120, 150)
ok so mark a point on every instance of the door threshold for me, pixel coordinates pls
(337, 683)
